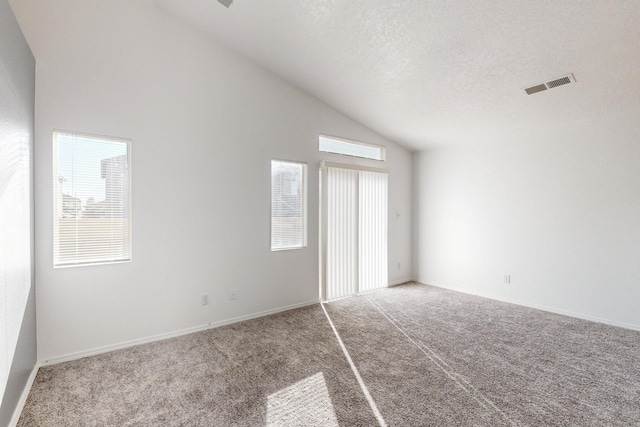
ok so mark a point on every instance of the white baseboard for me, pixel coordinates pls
(578, 315)
(545, 308)
(99, 350)
(401, 282)
(23, 397)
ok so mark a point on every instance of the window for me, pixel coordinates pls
(288, 205)
(332, 144)
(91, 199)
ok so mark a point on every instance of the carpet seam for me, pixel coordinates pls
(454, 376)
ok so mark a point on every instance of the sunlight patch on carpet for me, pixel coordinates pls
(306, 402)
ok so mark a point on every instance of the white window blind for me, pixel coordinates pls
(342, 232)
(372, 221)
(92, 199)
(288, 205)
(332, 144)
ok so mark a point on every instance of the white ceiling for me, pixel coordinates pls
(425, 73)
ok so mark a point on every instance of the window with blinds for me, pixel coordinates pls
(347, 147)
(91, 199)
(288, 205)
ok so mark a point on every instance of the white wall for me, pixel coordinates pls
(558, 211)
(205, 125)
(17, 306)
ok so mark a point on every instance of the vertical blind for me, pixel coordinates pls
(288, 205)
(373, 210)
(342, 232)
(356, 231)
(91, 199)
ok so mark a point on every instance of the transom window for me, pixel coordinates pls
(332, 144)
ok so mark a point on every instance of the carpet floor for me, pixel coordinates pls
(411, 355)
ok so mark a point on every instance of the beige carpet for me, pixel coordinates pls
(413, 355)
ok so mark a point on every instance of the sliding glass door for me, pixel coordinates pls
(353, 230)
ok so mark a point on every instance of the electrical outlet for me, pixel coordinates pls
(507, 278)
(232, 294)
(204, 299)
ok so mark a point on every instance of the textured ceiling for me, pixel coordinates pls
(425, 73)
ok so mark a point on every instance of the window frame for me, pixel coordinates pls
(57, 263)
(304, 206)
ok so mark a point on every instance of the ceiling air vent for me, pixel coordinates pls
(550, 84)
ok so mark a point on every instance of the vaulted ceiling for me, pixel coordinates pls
(425, 73)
